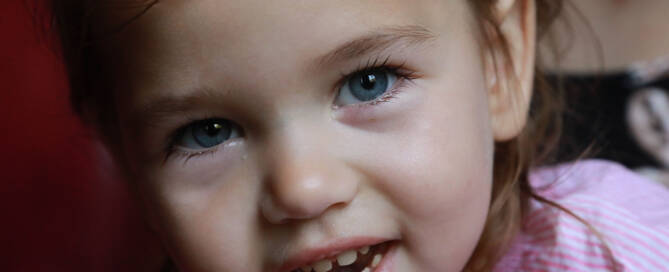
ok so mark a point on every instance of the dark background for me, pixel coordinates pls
(62, 206)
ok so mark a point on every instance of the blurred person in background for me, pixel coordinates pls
(614, 68)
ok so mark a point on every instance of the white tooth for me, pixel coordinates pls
(306, 268)
(376, 260)
(323, 266)
(364, 250)
(366, 270)
(347, 257)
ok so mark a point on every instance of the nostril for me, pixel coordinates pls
(282, 210)
(272, 213)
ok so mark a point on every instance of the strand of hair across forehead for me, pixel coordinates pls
(92, 9)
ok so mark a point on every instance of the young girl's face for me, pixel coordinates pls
(277, 135)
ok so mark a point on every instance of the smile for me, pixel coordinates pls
(363, 259)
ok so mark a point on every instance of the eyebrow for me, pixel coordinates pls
(161, 108)
(377, 40)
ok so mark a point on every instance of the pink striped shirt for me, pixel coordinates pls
(629, 212)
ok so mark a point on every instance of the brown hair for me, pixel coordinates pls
(535, 146)
(512, 160)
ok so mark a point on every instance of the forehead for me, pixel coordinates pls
(281, 17)
(189, 41)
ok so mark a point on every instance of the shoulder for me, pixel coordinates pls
(603, 186)
(621, 221)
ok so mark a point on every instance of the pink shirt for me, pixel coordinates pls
(630, 212)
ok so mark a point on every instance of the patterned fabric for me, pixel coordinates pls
(627, 220)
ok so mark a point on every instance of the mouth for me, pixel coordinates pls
(364, 259)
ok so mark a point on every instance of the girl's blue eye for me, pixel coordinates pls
(365, 86)
(207, 133)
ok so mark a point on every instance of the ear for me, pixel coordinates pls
(510, 74)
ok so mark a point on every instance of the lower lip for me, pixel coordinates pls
(387, 263)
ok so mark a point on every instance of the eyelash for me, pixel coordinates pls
(400, 70)
(172, 150)
(403, 75)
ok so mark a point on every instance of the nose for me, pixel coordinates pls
(305, 178)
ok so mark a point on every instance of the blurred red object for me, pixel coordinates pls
(63, 207)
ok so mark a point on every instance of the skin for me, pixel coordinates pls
(416, 168)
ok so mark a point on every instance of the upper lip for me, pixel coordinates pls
(331, 249)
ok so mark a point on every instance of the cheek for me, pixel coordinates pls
(207, 223)
(440, 175)
(436, 170)
(440, 152)
(446, 158)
